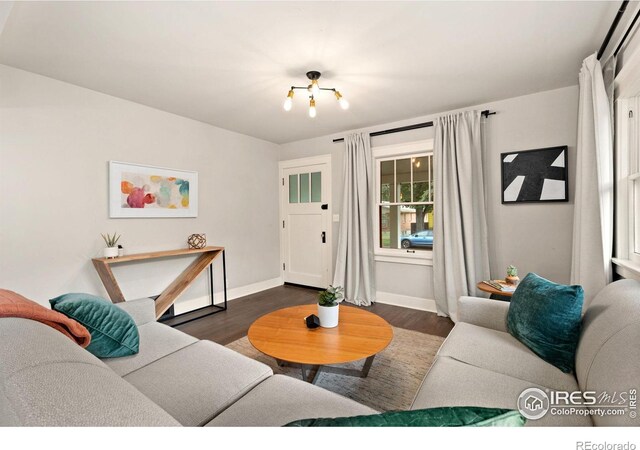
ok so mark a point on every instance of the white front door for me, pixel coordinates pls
(306, 221)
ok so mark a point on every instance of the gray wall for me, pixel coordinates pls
(533, 237)
(56, 140)
(55, 143)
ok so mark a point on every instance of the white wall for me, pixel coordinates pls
(55, 143)
(533, 237)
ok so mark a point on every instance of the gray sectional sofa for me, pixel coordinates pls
(175, 379)
(481, 364)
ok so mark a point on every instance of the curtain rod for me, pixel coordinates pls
(626, 35)
(485, 113)
(612, 28)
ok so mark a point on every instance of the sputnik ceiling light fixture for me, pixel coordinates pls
(313, 90)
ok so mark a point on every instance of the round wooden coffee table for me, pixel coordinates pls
(284, 336)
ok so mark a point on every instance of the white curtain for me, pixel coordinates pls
(354, 263)
(593, 210)
(460, 244)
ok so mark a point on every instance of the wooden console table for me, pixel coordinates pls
(168, 297)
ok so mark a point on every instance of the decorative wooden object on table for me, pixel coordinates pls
(493, 291)
(284, 336)
(197, 240)
(168, 297)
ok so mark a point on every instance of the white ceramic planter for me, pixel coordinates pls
(328, 316)
(110, 252)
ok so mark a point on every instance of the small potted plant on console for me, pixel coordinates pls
(328, 309)
(111, 250)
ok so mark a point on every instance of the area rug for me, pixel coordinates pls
(393, 380)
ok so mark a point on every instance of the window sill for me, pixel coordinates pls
(405, 259)
(627, 268)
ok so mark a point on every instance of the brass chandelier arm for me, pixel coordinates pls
(313, 90)
(306, 88)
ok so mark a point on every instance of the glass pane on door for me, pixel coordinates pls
(316, 187)
(304, 188)
(293, 188)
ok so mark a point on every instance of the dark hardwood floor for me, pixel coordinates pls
(227, 326)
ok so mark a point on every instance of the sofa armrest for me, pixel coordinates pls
(142, 310)
(483, 312)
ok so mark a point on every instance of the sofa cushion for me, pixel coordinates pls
(113, 331)
(500, 352)
(546, 317)
(156, 341)
(76, 394)
(454, 383)
(48, 380)
(608, 356)
(25, 343)
(197, 382)
(142, 310)
(450, 416)
(280, 399)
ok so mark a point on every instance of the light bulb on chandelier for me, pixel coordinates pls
(313, 90)
(312, 108)
(341, 100)
(288, 103)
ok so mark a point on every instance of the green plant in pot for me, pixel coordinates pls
(328, 309)
(111, 250)
(512, 276)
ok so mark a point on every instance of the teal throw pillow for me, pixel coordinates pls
(546, 317)
(113, 331)
(453, 416)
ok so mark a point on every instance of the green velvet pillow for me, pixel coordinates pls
(546, 317)
(453, 416)
(113, 331)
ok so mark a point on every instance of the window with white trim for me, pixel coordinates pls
(627, 245)
(403, 219)
(633, 179)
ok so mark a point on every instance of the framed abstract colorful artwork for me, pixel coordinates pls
(146, 191)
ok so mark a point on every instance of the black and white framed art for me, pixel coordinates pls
(535, 175)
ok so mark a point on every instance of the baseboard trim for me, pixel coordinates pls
(232, 294)
(421, 304)
(387, 298)
(249, 289)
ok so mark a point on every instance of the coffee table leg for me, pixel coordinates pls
(367, 365)
(312, 376)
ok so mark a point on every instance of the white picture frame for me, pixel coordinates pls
(142, 191)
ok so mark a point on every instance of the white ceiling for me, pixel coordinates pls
(230, 64)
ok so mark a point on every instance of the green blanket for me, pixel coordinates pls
(455, 416)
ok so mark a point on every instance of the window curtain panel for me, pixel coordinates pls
(460, 244)
(593, 210)
(354, 262)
